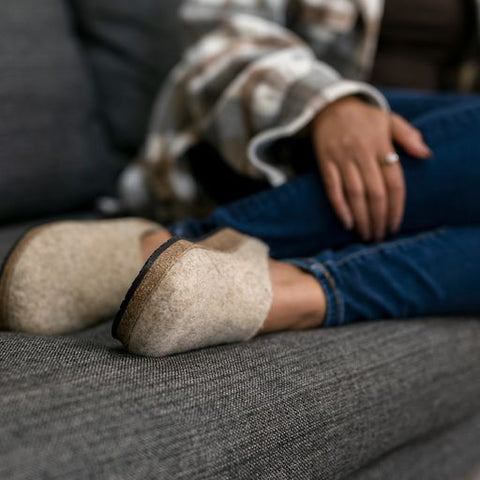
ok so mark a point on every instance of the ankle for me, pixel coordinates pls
(151, 241)
(299, 302)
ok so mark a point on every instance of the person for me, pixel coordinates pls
(369, 214)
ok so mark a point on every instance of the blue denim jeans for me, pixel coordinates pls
(432, 267)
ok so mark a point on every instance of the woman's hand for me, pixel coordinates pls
(351, 139)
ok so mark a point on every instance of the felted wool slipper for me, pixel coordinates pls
(194, 295)
(66, 276)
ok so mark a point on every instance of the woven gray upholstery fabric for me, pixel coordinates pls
(322, 404)
(130, 47)
(54, 156)
(421, 458)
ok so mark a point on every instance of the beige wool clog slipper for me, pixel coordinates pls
(193, 295)
(65, 276)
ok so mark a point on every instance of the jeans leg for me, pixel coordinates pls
(433, 273)
(413, 104)
(296, 219)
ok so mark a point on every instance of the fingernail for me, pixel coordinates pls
(365, 237)
(348, 223)
(393, 228)
(428, 151)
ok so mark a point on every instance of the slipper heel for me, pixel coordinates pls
(225, 240)
(152, 272)
(194, 295)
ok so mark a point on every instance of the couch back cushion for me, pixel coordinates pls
(53, 153)
(131, 46)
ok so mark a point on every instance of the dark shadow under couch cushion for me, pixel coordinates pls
(320, 404)
(53, 154)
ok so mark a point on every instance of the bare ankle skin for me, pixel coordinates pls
(151, 241)
(299, 302)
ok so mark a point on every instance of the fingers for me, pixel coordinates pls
(409, 138)
(375, 192)
(346, 190)
(365, 194)
(394, 179)
(332, 180)
(357, 200)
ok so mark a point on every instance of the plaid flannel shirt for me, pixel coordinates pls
(256, 71)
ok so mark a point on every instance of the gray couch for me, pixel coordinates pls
(386, 400)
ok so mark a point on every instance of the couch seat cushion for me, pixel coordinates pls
(322, 404)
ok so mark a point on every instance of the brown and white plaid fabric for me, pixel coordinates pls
(255, 71)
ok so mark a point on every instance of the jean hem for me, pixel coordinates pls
(334, 311)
